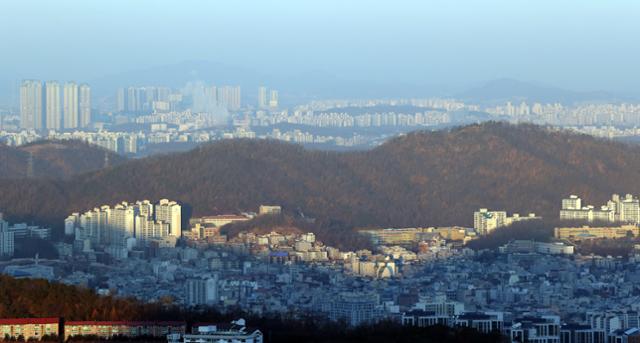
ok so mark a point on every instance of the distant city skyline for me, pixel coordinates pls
(315, 46)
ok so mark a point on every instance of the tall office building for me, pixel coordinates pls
(84, 105)
(53, 114)
(262, 97)
(273, 100)
(70, 105)
(31, 104)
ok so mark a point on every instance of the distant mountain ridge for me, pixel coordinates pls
(500, 91)
(419, 179)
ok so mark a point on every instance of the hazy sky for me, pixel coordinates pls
(579, 44)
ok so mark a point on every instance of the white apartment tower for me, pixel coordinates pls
(170, 212)
(70, 105)
(573, 202)
(53, 114)
(262, 97)
(273, 100)
(485, 221)
(31, 104)
(84, 105)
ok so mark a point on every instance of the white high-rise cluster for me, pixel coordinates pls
(54, 106)
(115, 226)
(619, 209)
(485, 221)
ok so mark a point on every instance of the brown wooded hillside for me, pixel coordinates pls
(54, 159)
(423, 178)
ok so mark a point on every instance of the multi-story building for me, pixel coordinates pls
(619, 209)
(7, 239)
(485, 221)
(70, 105)
(29, 329)
(573, 202)
(262, 97)
(84, 105)
(355, 308)
(109, 329)
(577, 333)
(31, 104)
(269, 209)
(112, 226)
(587, 232)
(484, 322)
(273, 99)
(542, 329)
(202, 291)
(170, 212)
(53, 113)
(225, 333)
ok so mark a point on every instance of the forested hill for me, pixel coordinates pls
(54, 159)
(423, 178)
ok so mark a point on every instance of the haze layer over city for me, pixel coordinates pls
(320, 171)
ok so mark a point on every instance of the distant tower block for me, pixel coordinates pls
(30, 166)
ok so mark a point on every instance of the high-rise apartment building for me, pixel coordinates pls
(53, 112)
(113, 226)
(121, 100)
(84, 105)
(485, 221)
(273, 99)
(624, 209)
(7, 242)
(262, 97)
(70, 105)
(228, 97)
(31, 104)
(170, 212)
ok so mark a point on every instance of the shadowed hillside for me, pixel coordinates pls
(54, 159)
(423, 178)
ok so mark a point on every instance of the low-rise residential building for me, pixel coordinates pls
(29, 328)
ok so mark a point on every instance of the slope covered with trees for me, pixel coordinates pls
(54, 159)
(423, 178)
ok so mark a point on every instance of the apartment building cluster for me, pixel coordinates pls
(196, 96)
(54, 106)
(619, 209)
(124, 226)
(534, 326)
(486, 221)
(9, 233)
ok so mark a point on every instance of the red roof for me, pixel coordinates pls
(23, 321)
(124, 322)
